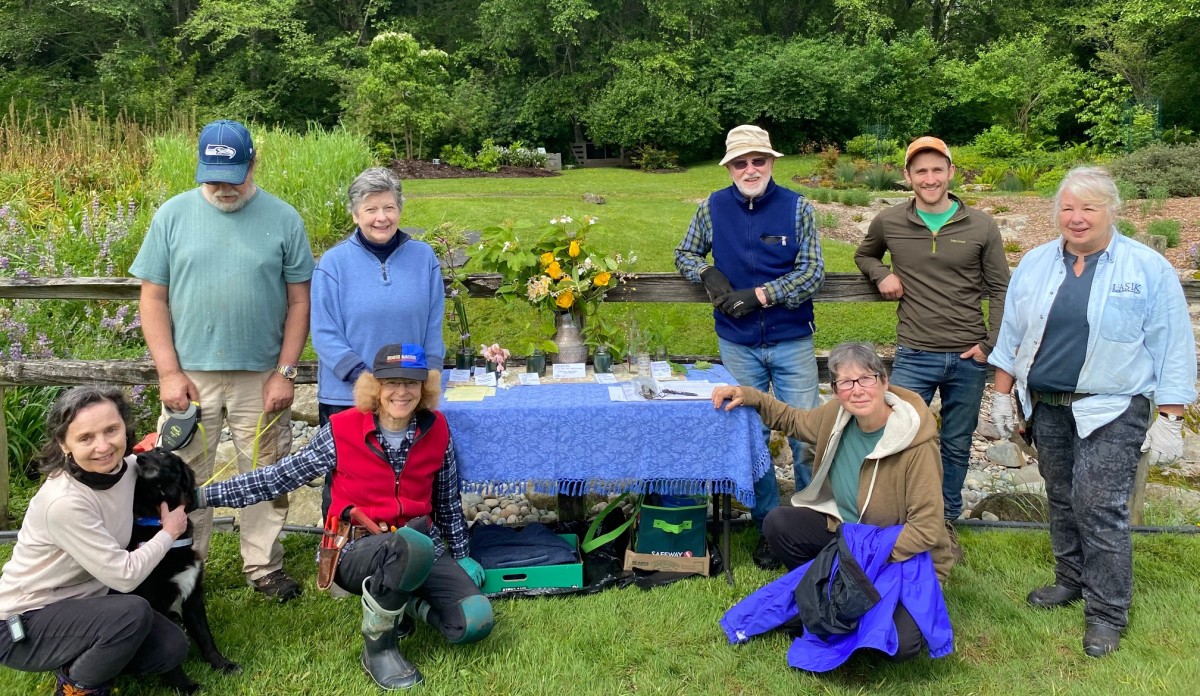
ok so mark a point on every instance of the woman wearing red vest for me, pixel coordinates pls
(391, 460)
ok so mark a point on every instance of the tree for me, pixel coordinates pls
(404, 90)
(1020, 81)
(652, 101)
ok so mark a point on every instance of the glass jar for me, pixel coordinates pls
(602, 361)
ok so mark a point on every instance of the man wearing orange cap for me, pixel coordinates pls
(946, 258)
(766, 268)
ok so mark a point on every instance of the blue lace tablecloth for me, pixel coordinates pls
(571, 439)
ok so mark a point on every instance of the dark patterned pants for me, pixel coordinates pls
(1088, 483)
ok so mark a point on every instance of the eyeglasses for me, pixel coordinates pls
(758, 162)
(864, 382)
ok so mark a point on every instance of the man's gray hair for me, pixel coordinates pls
(372, 181)
(857, 354)
(1090, 185)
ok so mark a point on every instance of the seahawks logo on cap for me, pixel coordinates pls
(217, 150)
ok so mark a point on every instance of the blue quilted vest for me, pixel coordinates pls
(754, 242)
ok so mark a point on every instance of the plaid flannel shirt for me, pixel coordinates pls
(319, 458)
(792, 289)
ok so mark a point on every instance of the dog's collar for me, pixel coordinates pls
(147, 521)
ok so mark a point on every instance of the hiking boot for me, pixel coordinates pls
(1099, 641)
(955, 549)
(277, 585)
(1054, 596)
(764, 557)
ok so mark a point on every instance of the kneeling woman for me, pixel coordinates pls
(59, 591)
(389, 460)
(877, 463)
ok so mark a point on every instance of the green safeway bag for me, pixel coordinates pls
(673, 528)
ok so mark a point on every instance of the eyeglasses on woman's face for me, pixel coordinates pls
(865, 381)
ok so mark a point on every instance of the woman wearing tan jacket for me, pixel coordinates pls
(877, 462)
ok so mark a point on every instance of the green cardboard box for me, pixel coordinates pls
(567, 575)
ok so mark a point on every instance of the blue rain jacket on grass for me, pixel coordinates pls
(913, 583)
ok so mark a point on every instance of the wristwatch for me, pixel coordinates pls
(1171, 417)
(288, 372)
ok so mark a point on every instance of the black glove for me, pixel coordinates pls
(715, 283)
(739, 303)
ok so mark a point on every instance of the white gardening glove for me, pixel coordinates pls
(1002, 415)
(1164, 441)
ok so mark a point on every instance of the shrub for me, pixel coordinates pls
(827, 221)
(956, 182)
(649, 158)
(823, 195)
(999, 142)
(489, 156)
(1175, 167)
(1012, 246)
(517, 155)
(1165, 228)
(457, 156)
(25, 410)
(999, 209)
(1047, 183)
(1028, 174)
(828, 161)
(1126, 227)
(846, 173)
(881, 179)
(868, 146)
(1194, 256)
(993, 175)
(1127, 191)
(1012, 183)
(858, 197)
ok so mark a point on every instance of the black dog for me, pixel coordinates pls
(176, 587)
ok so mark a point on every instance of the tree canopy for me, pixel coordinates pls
(670, 74)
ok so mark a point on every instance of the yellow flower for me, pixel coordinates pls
(546, 258)
(602, 279)
(554, 271)
(565, 299)
(573, 250)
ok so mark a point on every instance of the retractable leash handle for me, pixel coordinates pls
(179, 427)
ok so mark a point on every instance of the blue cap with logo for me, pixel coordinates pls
(401, 361)
(226, 152)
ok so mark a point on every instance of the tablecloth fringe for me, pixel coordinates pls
(609, 487)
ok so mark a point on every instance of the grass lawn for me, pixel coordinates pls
(667, 641)
(646, 214)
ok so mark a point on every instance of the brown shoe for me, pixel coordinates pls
(277, 585)
(955, 549)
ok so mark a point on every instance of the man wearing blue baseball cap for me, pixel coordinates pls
(396, 534)
(225, 271)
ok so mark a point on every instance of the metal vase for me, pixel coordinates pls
(568, 337)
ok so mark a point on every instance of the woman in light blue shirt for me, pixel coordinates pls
(1095, 335)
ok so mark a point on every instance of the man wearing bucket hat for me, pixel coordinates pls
(766, 267)
(946, 258)
(391, 489)
(225, 271)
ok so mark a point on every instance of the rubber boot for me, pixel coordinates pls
(381, 656)
(65, 687)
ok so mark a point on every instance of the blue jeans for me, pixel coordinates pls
(1088, 483)
(790, 368)
(960, 383)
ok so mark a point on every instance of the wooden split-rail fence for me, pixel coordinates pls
(648, 287)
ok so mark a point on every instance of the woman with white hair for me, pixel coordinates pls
(375, 286)
(1095, 336)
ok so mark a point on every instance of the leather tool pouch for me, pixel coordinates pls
(331, 550)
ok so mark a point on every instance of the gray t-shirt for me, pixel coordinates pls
(227, 276)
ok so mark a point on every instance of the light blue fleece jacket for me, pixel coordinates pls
(1139, 340)
(360, 305)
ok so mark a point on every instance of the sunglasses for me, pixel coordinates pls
(758, 162)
